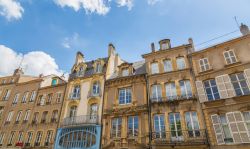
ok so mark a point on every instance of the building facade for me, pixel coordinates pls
(222, 75)
(125, 111)
(80, 126)
(175, 114)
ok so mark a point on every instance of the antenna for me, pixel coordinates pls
(235, 18)
(20, 63)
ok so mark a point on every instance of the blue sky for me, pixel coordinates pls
(60, 30)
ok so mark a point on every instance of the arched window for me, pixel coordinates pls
(94, 109)
(96, 88)
(72, 112)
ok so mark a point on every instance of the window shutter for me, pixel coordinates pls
(237, 127)
(225, 86)
(217, 129)
(247, 75)
(201, 92)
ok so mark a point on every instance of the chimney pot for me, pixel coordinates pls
(244, 29)
(111, 49)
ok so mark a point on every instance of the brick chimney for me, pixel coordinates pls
(153, 47)
(79, 57)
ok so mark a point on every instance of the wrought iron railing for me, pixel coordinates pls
(180, 137)
(76, 75)
(74, 96)
(80, 120)
(172, 98)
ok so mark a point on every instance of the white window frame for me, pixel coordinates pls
(154, 68)
(20, 137)
(2, 135)
(159, 126)
(19, 116)
(10, 115)
(166, 66)
(127, 91)
(25, 96)
(11, 137)
(171, 92)
(183, 65)
(49, 136)
(7, 94)
(247, 121)
(96, 88)
(27, 115)
(15, 101)
(29, 138)
(186, 88)
(204, 64)
(39, 136)
(210, 87)
(175, 124)
(190, 113)
(58, 97)
(155, 91)
(134, 130)
(238, 82)
(32, 96)
(117, 131)
(125, 72)
(230, 57)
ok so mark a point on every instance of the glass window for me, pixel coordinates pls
(98, 68)
(27, 115)
(20, 137)
(226, 131)
(125, 72)
(76, 92)
(50, 96)
(175, 126)
(133, 126)
(10, 116)
(15, 99)
(48, 137)
(42, 100)
(156, 94)
(211, 89)
(204, 65)
(116, 127)
(25, 95)
(73, 111)
(29, 138)
(44, 116)
(186, 90)
(246, 116)
(154, 68)
(167, 65)
(125, 96)
(54, 116)
(33, 95)
(159, 126)
(6, 95)
(35, 118)
(38, 138)
(58, 97)
(93, 111)
(11, 138)
(54, 81)
(180, 63)
(171, 91)
(19, 115)
(240, 84)
(192, 124)
(230, 57)
(165, 46)
(96, 88)
(2, 138)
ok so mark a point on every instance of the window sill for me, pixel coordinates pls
(206, 71)
(233, 64)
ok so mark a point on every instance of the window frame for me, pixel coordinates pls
(204, 66)
(165, 67)
(117, 124)
(178, 64)
(135, 126)
(127, 95)
(211, 89)
(155, 69)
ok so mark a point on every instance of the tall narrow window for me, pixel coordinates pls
(175, 126)
(159, 126)
(180, 63)
(96, 89)
(48, 138)
(15, 100)
(35, 118)
(38, 138)
(204, 65)
(11, 138)
(25, 96)
(192, 124)
(186, 90)
(171, 91)
(98, 68)
(116, 127)
(167, 65)
(10, 115)
(6, 95)
(240, 84)
(225, 128)
(246, 116)
(18, 117)
(29, 138)
(230, 57)
(73, 111)
(54, 116)
(211, 89)
(50, 96)
(58, 97)
(26, 116)
(20, 137)
(93, 112)
(42, 100)
(2, 138)
(125, 72)
(154, 68)
(76, 92)
(125, 96)
(156, 94)
(44, 116)
(133, 126)
(32, 96)
(54, 81)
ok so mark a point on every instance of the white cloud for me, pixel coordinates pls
(152, 2)
(34, 63)
(74, 41)
(128, 3)
(11, 9)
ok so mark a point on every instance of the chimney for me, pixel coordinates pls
(153, 47)
(244, 29)
(191, 42)
(111, 49)
(18, 71)
(165, 44)
(79, 57)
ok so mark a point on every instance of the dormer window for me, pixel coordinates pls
(165, 46)
(54, 81)
(81, 71)
(98, 68)
(125, 72)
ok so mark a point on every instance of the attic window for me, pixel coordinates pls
(125, 72)
(165, 46)
(54, 81)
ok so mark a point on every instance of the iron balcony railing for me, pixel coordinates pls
(80, 120)
(172, 98)
(76, 75)
(74, 96)
(180, 137)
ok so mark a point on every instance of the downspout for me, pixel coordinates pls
(100, 144)
(149, 111)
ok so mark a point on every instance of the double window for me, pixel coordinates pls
(192, 124)
(25, 96)
(11, 138)
(35, 118)
(180, 63)
(133, 126)
(167, 65)
(116, 127)
(50, 96)
(159, 126)
(44, 116)
(58, 97)
(1, 138)
(125, 95)
(175, 126)
(93, 111)
(76, 92)
(246, 116)
(15, 100)
(42, 100)
(204, 65)
(54, 116)
(98, 68)
(10, 115)
(154, 68)
(27, 115)
(38, 138)
(20, 137)
(186, 90)
(48, 138)
(6, 95)
(211, 89)
(96, 88)
(32, 96)
(240, 84)
(230, 57)
(171, 91)
(72, 112)
(29, 138)
(156, 94)
(18, 117)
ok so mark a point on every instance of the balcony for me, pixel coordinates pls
(75, 96)
(182, 137)
(92, 95)
(80, 120)
(76, 75)
(172, 98)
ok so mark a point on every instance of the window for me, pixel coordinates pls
(29, 138)
(204, 65)
(246, 116)
(96, 89)
(154, 68)
(76, 92)
(211, 89)
(94, 110)
(98, 68)
(15, 99)
(1, 111)
(58, 97)
(192, 124)
(171, 91)
(159, 126)
(44, 116)
(186, 90)
(42, 100)
(20, 137)
(27, 115)
(35, 118)
(6, 95)
(116, 127)
(19, 115)
(167, 65)
(165, 46)
(10, 115)
(1, 138)
(48, 137)
(180, 63)
(38, 138)
(50, 96)
(11, 138)
(32, 97)
(156, 93)
(175, 126)
(133, 126)
(25, 95)
(125, 72)
(54, 116)
(54, 81)
(72, 112)
(230, 57)
(3, 81)
(225, 128)
(240, 84)
(125, 96)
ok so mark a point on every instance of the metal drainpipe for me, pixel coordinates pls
(149, 112)
(100, 145)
